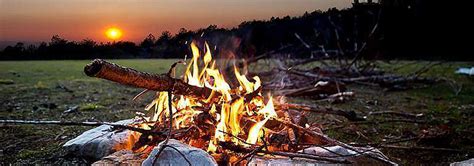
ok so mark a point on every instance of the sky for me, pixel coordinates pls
(39, 20)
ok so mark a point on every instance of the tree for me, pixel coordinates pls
(148, 41)
(56, 40)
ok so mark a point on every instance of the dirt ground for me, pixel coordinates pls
(44, 90)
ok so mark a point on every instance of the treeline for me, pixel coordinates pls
(398, 35)
(247, 39)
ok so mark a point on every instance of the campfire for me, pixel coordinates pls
(231, 120)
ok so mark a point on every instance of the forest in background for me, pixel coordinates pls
(392, 29)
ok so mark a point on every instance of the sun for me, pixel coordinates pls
(113, 33)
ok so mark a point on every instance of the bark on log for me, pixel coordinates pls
(102, 69)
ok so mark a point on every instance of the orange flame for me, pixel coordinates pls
(232, 103)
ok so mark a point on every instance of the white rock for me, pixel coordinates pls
(469, 162)
(359, 159)
(356, 158)
(284, 161)
(467, 71)
(101, 141)
(170, 156)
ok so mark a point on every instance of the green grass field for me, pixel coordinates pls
(43, 90)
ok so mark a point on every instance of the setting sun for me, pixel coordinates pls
(113, 33)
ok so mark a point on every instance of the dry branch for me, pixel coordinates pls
(421, 148)
(350, 115)
(240, 149)
(71, 123)
(403, 114)
(327, 139)
(102, 69)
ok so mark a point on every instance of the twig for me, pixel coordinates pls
(140, 94)
(240, 139)
(350, 115)
(239, 149)
(164, 144)
(71, 123)
(256, 58)
(392, 121)
(364, 45)
(386, 143)
(302, 41)
(425, 68)
(421, 148)
(260, 148)
(332, 141)
(404, 114)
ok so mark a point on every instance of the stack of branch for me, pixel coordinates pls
(286, 135)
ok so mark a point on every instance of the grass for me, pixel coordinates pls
(43, 90)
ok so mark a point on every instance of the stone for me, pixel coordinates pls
(122, 157)
(101, 141)
(170, 156)
(356, 158)
(469, 162)
(276, 160)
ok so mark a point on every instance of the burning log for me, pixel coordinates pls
(102, 69)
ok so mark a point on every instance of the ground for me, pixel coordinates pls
(44, 90)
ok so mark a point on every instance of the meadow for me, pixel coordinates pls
(44, 90)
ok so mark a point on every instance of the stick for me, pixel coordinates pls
(364, 45)
(379, 79)
(420, 148)
(168, 137)
(240, 149)
(404, 114)
(332, 141)
(102, 69)
(257, 58)
(71, 123)
(392, 121)
(350, 115)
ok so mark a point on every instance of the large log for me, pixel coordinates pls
(127, 76)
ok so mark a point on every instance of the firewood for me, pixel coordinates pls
(163, 82)
(291, 133)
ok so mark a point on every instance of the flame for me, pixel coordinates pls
(202, 71)
(255, 131)
(234, 121)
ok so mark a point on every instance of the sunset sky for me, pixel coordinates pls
(38, 20)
